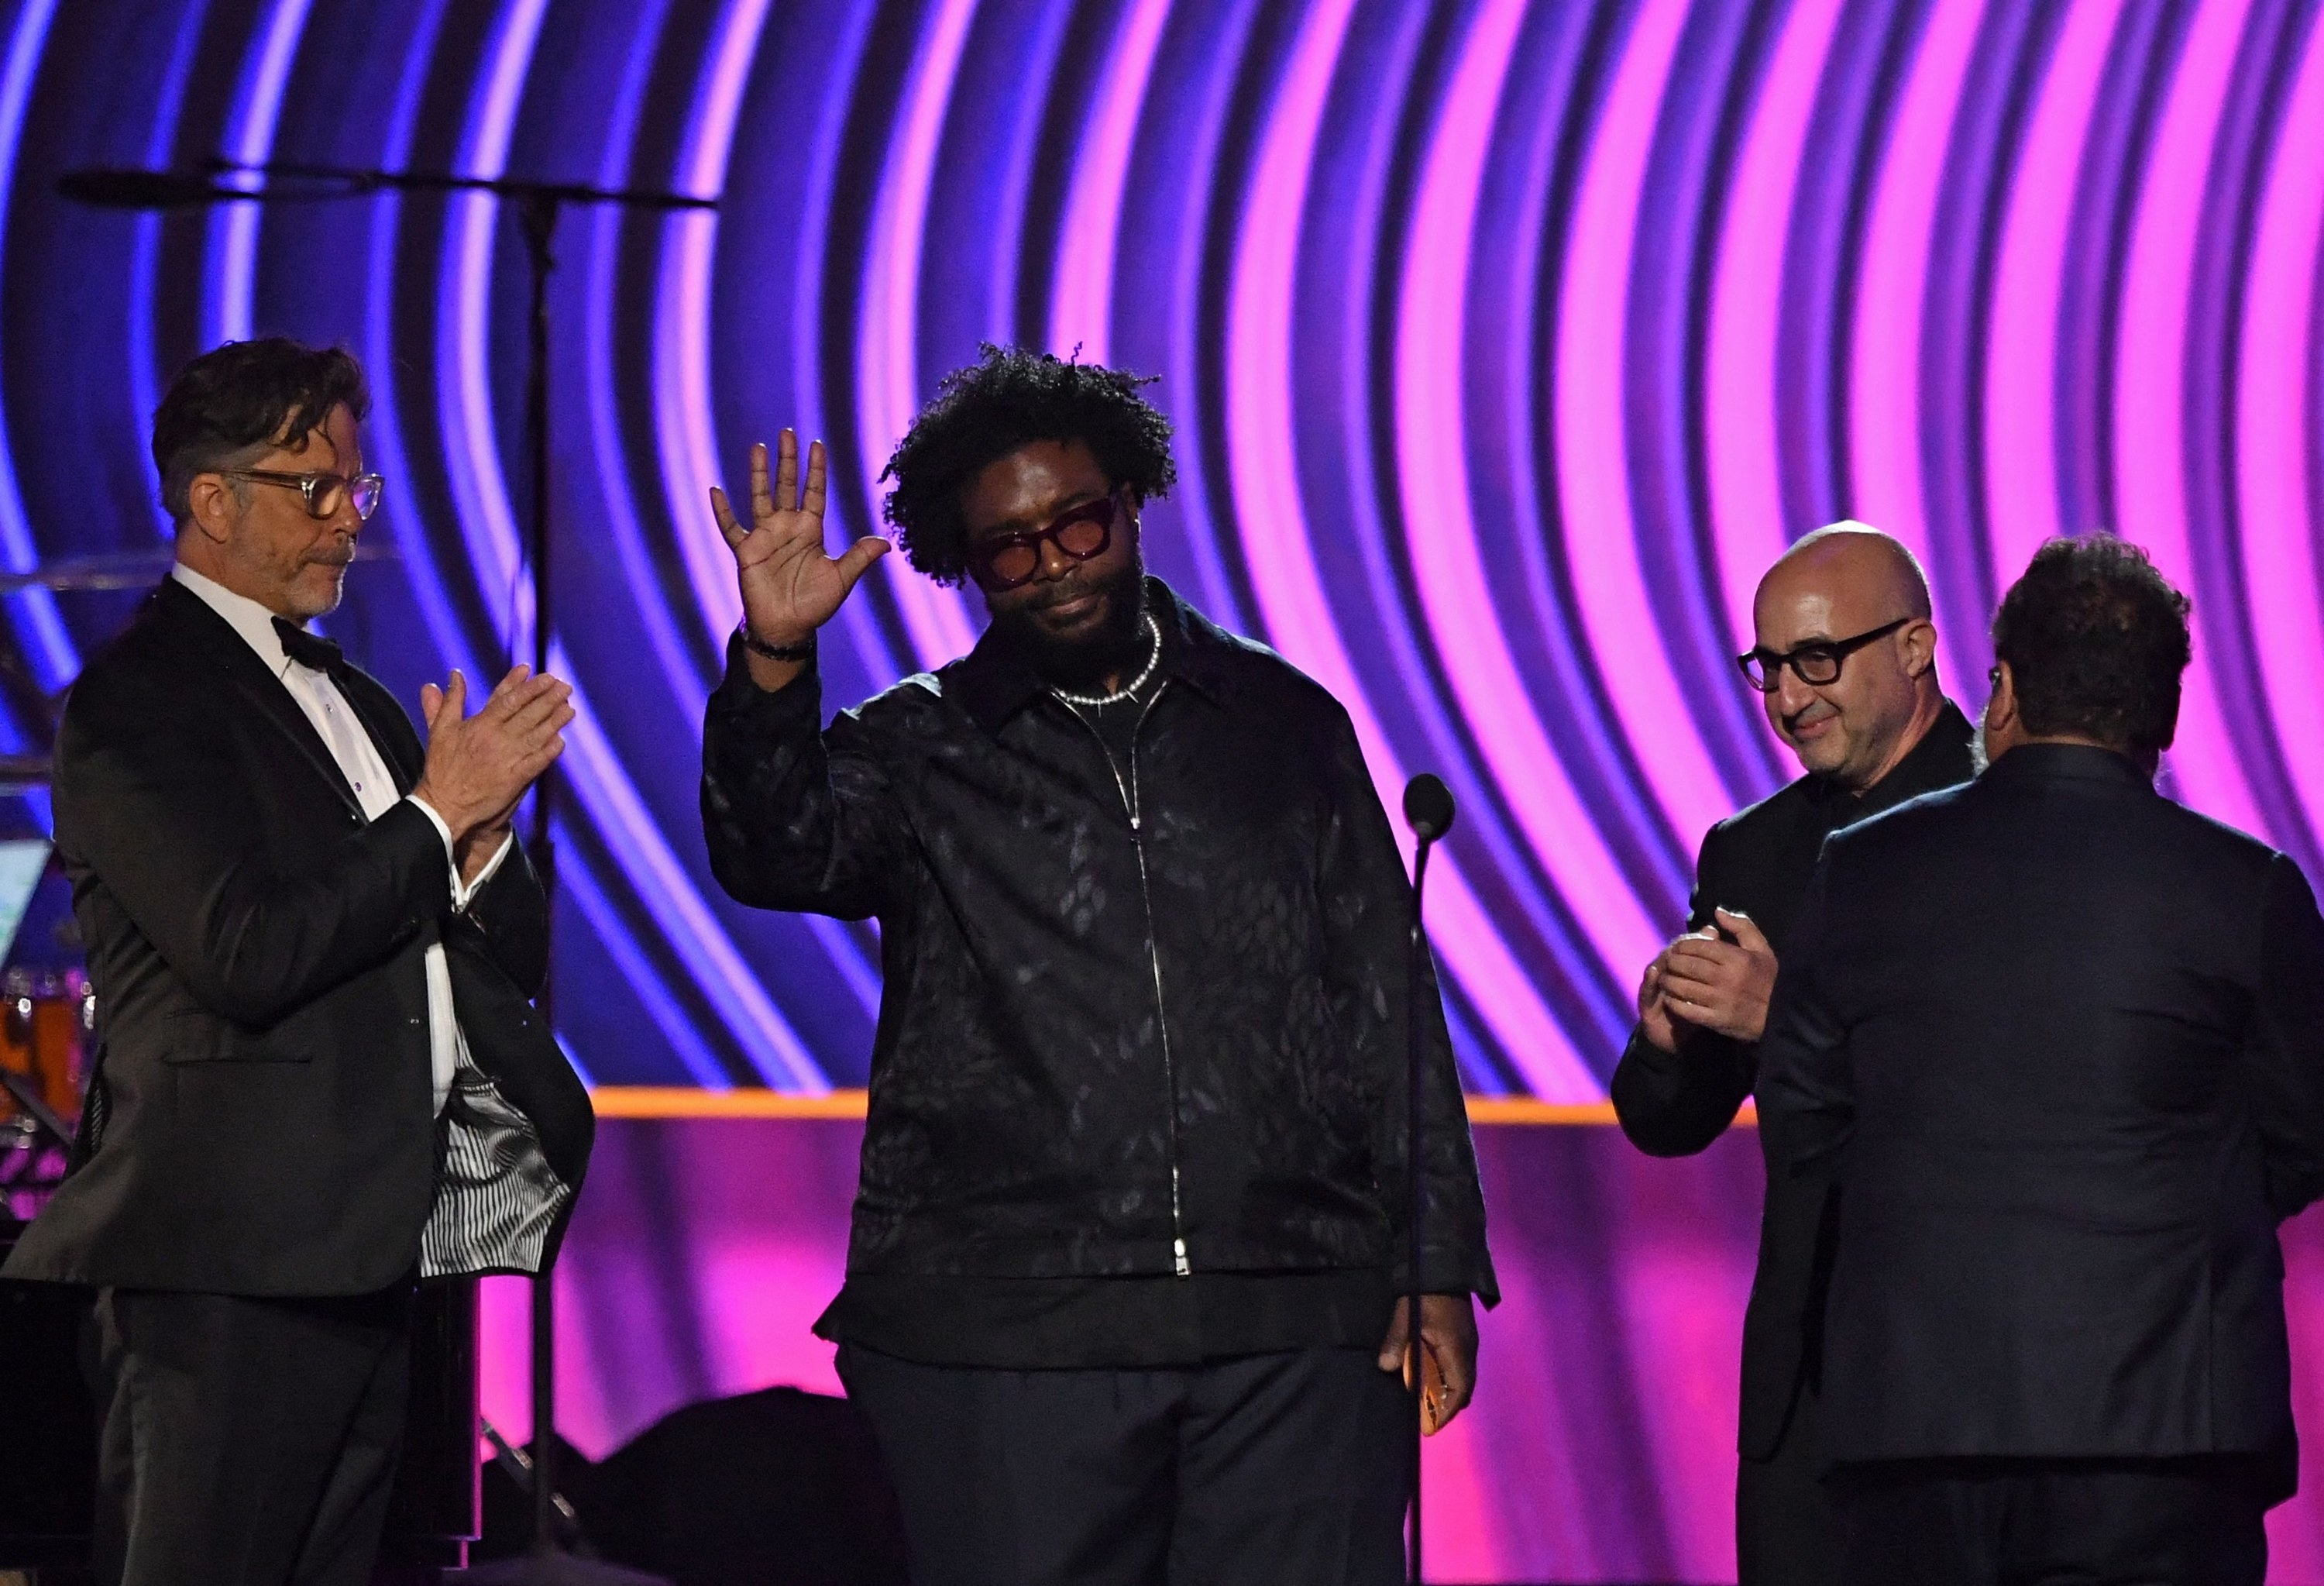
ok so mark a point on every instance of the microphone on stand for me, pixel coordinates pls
(114, 187)
(1428, 811)
(145, 189)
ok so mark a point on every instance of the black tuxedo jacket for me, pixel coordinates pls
(1758, 862)
(260, 1117)
(2064, 1041)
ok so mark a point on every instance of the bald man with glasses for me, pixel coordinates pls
(1844, 662)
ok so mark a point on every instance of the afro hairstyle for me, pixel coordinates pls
(1009, 397)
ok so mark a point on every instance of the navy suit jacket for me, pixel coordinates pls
(2062, 1042)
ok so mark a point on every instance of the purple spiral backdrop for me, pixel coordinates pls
(1507, 342)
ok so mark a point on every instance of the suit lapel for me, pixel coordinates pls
(269, 700)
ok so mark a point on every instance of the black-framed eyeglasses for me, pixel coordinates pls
(323, 492)
(1008, 561)
(1817, 663)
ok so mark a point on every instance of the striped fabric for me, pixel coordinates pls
(496, 1197)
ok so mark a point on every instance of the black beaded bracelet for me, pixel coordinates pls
(803, 650)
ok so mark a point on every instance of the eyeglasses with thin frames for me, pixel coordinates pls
(1817, 663)
(322, 491)
(1010, 561)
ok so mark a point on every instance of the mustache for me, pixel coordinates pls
(1063, 594)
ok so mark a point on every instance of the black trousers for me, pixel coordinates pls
(1277, 1469)
(1787, 1529)
(2029, 1522)
(246, 1442)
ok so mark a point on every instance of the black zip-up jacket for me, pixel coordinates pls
(1106, 1046)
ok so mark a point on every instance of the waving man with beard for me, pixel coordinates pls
(1120, 1296)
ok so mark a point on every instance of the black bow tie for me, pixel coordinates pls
(311, 650)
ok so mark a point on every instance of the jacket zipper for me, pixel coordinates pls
(1131, 804)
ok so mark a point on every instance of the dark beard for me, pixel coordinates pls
(1118, 646)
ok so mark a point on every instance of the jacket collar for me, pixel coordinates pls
(993, 682)
(2068, 762)
(244, 615)
(178, 605)
(1941, 759)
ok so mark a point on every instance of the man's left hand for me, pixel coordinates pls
(1448, 1334)
(1718, 985)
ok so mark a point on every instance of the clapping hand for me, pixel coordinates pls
(1654, 1007)
(478, 766)
(1710, 983)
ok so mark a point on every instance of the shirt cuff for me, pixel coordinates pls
(443, 829)
(462, 895)
(463, 891)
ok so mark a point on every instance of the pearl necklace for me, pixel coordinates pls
(1099, 701)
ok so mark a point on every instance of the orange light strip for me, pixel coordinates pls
(686, 1101)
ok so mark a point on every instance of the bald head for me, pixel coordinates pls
(1855, 566)
(1838, 584)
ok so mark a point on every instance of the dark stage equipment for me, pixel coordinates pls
(778, 1488)
(48, 1438)
(47, 1449)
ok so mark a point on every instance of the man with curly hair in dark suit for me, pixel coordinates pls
(2059, 1043)
(1120, 1299)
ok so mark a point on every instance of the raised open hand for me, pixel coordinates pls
(789, 586)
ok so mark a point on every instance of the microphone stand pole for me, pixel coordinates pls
(537, 217)
(537, 205)
(1416, 977)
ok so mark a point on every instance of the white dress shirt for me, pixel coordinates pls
(359, 761)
